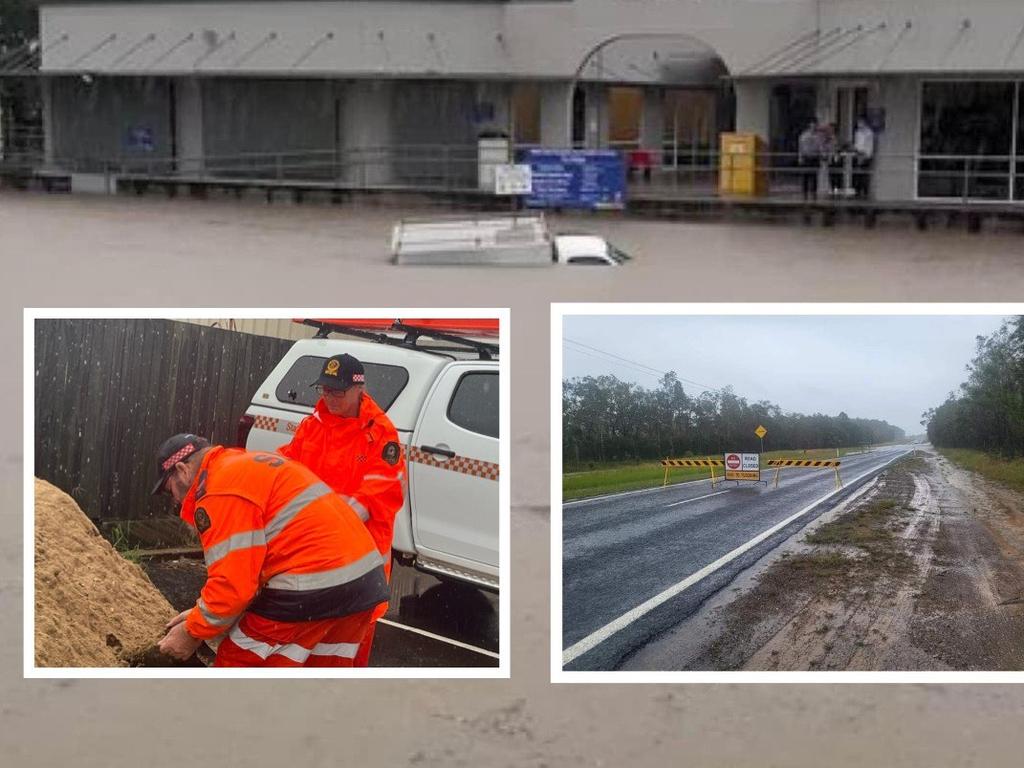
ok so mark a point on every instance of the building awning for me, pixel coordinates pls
(22, 60)
(884, 46)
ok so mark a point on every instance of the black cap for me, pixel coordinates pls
(341, 372)
(173, 450)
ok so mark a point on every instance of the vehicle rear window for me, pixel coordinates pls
(474, 403)
(384, 383)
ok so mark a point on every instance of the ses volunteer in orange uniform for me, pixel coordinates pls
(293, 576)
(351, 444)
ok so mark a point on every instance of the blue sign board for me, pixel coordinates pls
(584, 178)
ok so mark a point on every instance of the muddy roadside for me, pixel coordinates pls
(924, 570)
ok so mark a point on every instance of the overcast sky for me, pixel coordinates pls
(882, 367)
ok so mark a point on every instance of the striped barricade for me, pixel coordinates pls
(832, 464)
(711, 463)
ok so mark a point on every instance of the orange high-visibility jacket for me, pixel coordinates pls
(361, 458)
(278, 542)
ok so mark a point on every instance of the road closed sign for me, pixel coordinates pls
(743, 466)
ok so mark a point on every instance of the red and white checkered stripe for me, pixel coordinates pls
(461, 464)
(170, 461)
(265, 422)
(270, 424)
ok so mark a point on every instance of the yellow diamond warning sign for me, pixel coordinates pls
(760, 431)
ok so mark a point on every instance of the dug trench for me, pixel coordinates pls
(922, 571)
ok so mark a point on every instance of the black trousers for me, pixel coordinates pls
(835, 174)
(809, 179)
(862, 176)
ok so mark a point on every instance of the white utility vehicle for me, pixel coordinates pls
(438, 382)
(519, 240)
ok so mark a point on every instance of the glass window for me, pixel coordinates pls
(383, 382)
(579, 117)
(474, 404)
(966, 128)
(526, 113)
(1018, 193)
(625, 107)
(792, 107)
(690, 125)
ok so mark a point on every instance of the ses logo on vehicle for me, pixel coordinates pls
(742, 466)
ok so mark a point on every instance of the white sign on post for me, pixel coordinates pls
(743, 466)
(513, 180)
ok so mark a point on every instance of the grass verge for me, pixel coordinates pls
(856, 549)
(1008, 471)
(630, 477)
(869, 529)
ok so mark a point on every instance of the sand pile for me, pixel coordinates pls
(93, 608)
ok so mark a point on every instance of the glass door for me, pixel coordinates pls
(968, 139)
(1017, 163)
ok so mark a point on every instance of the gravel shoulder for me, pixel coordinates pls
(924, 571)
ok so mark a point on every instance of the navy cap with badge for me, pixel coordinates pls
(174, 450)
(341, 372)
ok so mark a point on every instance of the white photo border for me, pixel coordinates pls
(502, 671)
(561, 310)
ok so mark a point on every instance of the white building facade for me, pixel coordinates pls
(199, 83)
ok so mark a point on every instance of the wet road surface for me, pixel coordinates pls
(621, 551)
(432, 623)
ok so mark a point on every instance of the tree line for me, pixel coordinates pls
(20, 103)
(987, 413)
(606, 419)
(18, 23)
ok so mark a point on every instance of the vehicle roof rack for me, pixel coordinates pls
(413, 331)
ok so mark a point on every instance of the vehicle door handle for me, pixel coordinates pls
(438, 450)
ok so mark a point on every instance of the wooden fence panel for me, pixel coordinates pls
(108, 392)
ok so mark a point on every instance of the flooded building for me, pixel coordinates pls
(407, 91)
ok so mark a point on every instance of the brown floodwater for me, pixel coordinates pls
(65, 251)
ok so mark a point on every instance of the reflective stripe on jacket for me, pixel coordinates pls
(258, 642)
(269, 526)
(352, 455)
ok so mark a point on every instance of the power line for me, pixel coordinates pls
(649, 370)
(604, 360)
(617, 357)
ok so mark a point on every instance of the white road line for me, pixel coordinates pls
(440, 638)
(698, 498)
(599, 636)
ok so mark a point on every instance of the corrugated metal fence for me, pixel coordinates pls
(108, 392)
